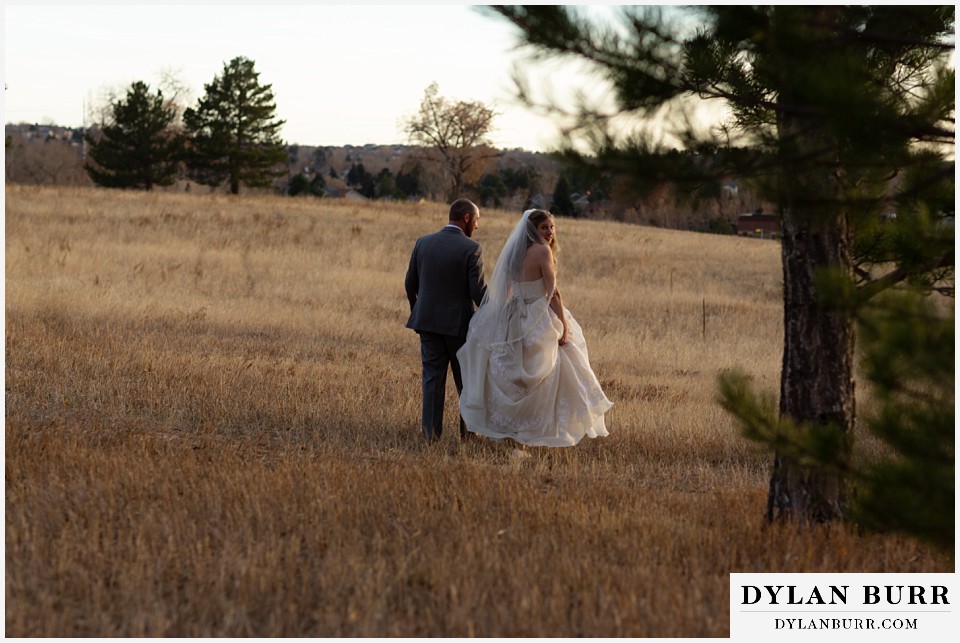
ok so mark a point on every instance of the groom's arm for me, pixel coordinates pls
(478, 285)
(412, 281)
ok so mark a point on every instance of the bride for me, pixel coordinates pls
(526, 374)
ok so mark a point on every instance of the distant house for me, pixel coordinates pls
(581, 203)
(353, 195)
(765, 226)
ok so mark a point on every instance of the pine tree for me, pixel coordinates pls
(357, 175)
(139, 147)
(411, 181)
(909, 351)
(490, 190)
(302, 184)
(561, 203)
(233, 132)
(845, 111)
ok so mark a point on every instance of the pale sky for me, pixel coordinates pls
(341, 75)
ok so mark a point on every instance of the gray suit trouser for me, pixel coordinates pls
(437, 353)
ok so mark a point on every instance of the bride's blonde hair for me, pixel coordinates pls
(536, 218)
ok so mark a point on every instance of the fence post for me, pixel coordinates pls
(704, 319)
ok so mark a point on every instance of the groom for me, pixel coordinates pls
(444, 283)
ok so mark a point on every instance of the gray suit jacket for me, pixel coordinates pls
(444, 282)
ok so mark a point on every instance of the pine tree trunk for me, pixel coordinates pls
(816, 385)
(816, 380)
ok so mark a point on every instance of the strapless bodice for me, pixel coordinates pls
(531, 290)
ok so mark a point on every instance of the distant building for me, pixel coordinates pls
(765, 226)
(581, 204)
(353, 195)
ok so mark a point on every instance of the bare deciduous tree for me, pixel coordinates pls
(51, 162)
(455, 131)
(177, 92)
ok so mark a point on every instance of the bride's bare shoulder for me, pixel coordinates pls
(538, 251)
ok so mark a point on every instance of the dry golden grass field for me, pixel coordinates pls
(212, 429)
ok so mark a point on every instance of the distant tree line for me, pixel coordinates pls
(230, 139)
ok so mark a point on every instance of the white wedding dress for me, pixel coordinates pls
(519, 383)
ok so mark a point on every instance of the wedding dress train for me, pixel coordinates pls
(519, 383)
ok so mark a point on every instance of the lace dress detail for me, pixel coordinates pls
(519, 383)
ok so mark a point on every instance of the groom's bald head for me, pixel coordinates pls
(465, 215)
(461, 208)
